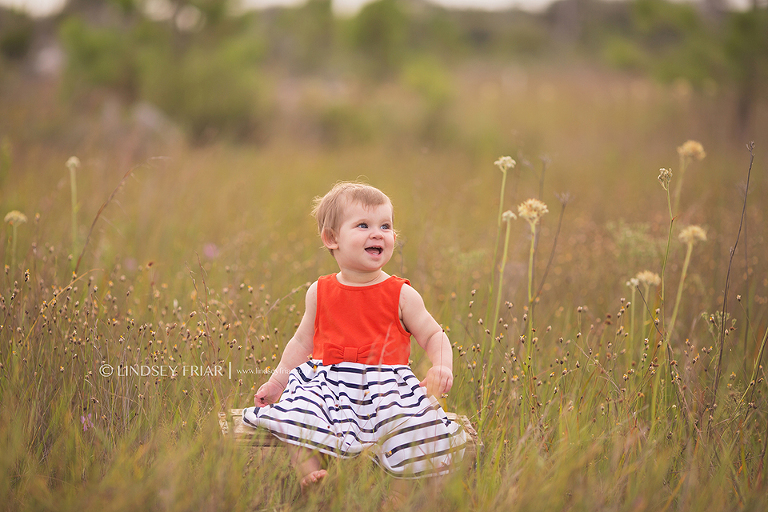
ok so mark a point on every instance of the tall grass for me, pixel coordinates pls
(200, 260)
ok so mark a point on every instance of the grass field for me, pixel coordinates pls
(590, 392)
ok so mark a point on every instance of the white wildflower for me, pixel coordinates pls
(508, 216)
(693, 234)
(505, 163)
(15, 217)
(73, 163)
(665, 175)
(532, 210)
(648, 278)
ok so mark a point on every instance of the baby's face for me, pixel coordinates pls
(365, 239)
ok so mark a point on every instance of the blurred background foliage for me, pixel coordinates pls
(215, 71)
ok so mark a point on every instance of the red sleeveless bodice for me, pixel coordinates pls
(360, 324)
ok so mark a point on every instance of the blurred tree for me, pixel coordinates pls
(436, 32)
(715, 9)
(16, 33)
(203, 66)
(202, 72)
(661, 23)
(102, 11)
(307, 34)
(380, 34)
(213, 11)
(679, 41)
(98, 56)
(746, 46)
(569, 17)
(500, 35)
(212, 90)
(667, 40)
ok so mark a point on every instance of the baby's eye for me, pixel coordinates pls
(363, 225)
(386, 226)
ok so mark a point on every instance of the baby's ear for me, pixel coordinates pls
(329, 239)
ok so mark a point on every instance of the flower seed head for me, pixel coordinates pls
(665, 176)
(73, 163)
(532, 210)
(693, 234)
(648, 278)
(15, 217)
(691, 149)
(505, 163)
(508, 216)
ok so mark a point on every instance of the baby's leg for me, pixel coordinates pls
(306, 463)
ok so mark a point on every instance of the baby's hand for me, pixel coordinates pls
(268, 393)
(439, 380)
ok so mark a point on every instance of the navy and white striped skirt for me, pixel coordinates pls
(346, 409)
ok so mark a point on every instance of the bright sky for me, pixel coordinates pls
(352, 6)
(43, 7)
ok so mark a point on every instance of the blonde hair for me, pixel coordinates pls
(329, 209)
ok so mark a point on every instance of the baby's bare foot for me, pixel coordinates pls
(312, 479)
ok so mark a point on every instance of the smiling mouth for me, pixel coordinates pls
(374, 250)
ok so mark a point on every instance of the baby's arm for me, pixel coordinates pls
(296, 352)
(430, 336)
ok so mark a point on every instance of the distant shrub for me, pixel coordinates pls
(307, 34)
(429, 79)
(661, 22)
(746, 40)
(16, 32)
(207, 81)
(211, 90)
(98, 56)
(380, 34)
(669, 41)
(341, 125)
(529, 38)
(624, 54)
